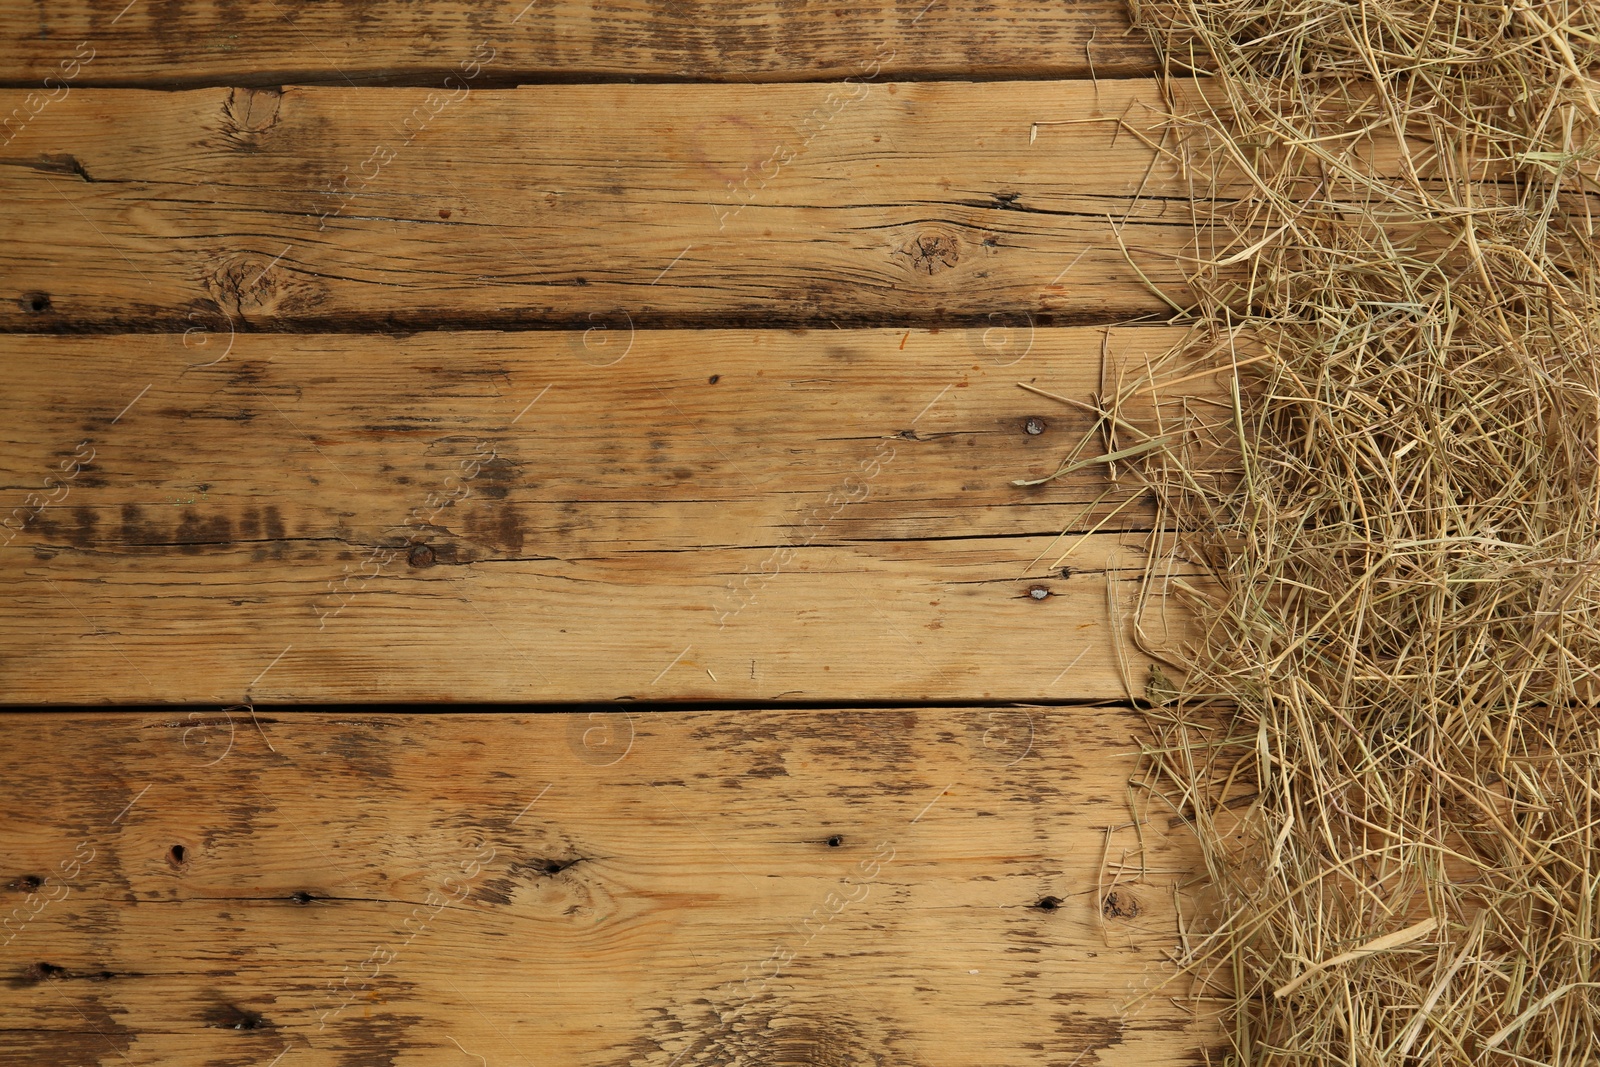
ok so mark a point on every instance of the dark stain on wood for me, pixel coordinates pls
(226, 1016)
(495, 891)
(248, 376)
(134, 530)
(83, 535)
(195, 532)
(92, 1036)
(378, 1041)
(497, 526)
(273, 523)
(366, 752)
(804, 1028)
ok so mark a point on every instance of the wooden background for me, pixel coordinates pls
(650, 378)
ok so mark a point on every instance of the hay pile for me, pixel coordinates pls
(1386, 737)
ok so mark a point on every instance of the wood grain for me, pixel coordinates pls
(266, 491)
(199, 42)
(359, 209)
(921, 886)
(797, 515)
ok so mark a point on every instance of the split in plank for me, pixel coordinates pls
(547, 516)
(931, 887)
(354, 209)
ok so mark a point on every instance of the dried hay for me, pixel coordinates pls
(1386, 737)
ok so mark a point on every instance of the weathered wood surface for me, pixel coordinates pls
(926, 887)
(198, 42)
(803, 515)
(661, 204)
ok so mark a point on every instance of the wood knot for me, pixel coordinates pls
(251, 111)
(246, 282)
(549, 867)
(1120, 904)
(233, 1017)
(42, 972)
(931, 252)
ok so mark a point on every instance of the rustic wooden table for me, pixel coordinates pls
(646, 377)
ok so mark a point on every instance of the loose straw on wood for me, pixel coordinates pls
(1379, 944)
(1384, 735)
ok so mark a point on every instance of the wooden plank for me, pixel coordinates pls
(341, 209)
(801, 515)
(390, 41)
(921, 886)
